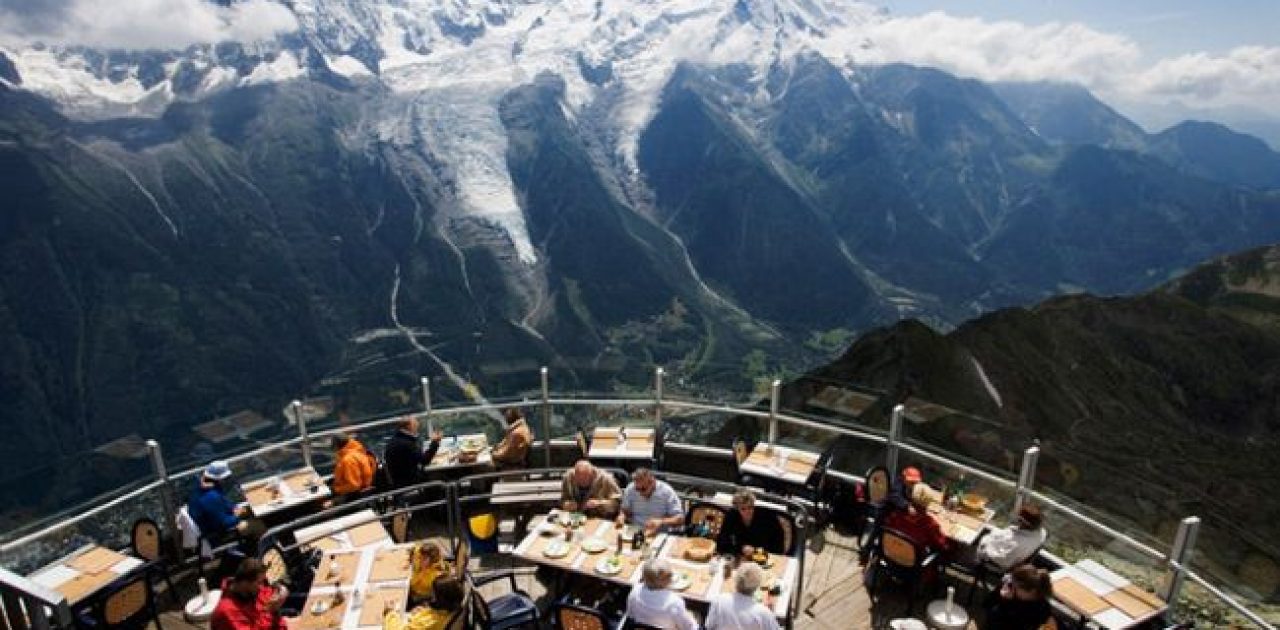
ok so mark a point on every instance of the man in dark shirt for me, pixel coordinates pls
(404, 456)
(746, 529)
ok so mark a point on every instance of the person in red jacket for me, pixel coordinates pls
(248, 603)
(916, 522)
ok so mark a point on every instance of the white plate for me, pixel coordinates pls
(604, 567)
(594, 545)
(556, 549)
(681, 581)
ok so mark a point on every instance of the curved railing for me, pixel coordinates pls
(706, 429)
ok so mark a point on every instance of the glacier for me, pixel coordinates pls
(453, 60)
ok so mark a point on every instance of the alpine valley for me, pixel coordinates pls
(469, 189)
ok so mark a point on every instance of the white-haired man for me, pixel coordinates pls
(652, 603)
(739, 610)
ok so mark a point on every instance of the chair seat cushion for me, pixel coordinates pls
(511, 609)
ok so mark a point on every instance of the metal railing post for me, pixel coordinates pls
(302, 431)
(1179, 556)
(167, 504)
(426, 403)
(774, 388)
(657, 397)
(1026, 476)
(546, 416)
(895, 436)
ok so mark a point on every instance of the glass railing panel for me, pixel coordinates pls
(707, 427)
(111, 527)
(966, 479)
(568, 419)
(1123, 496)
(835, 401)
(604, 376)
(31, 496)
(743, 383)
(1208, 610)
(992, 445)
(1236, 558)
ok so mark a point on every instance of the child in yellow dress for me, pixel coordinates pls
(428, 565)
(447, 596)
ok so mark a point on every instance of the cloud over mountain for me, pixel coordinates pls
(142, 24)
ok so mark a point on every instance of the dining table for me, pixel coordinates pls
(354, 589)
(290, 489)
(783, 463)
(621, 443)
(1101, 596)
(84, 572)
(357, 530)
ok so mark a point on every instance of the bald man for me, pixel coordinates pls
(588, 489)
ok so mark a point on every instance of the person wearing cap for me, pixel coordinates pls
(214, 513)
(907, 481)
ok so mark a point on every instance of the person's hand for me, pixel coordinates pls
(621, 520)
(747, 551)
(652, 525)
(1006, 591)
(437, 435)
(277, 598)
(570, 506)
(592, 504)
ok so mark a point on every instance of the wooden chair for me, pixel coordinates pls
(574, 617)
(146, 544)
(740, 451)
(899, 557)
(709, 514)
(788, 533)
(583, 444)
(879, 482)
(130, 603)
(277, 567)
(400, 526)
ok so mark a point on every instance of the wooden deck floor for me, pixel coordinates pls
(834, 597)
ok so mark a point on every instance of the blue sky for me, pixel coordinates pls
(1161, 27)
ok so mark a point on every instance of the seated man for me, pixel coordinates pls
(512, 451)
(1013, 545)
(653, 604)
(590, 490)
(404, 456)
(650, 503)
(248, 603)
(746, 529)
(917, 523)
(216, 516)
(353, 469)
(739, 610)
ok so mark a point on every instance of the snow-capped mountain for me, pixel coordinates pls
(467, 190)
(455, 59)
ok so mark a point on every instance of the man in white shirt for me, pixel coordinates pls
(651, 603)
(1011, 546)
(651, 504)
(739, 610)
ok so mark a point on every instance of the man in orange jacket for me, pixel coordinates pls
(354, 469)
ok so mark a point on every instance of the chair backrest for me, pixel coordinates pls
(788, 532)
(706, 513)
(127, 603)
(400, 526)
(879, 483)
(899, 549)
(740, 451)
(274, 562)
(460, 560)
(146, 539)
(582, 442)
(573, 617)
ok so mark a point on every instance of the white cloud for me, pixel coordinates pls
(158, 24)
(1109, 64)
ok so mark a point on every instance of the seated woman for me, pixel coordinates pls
(1013, 545)
(447, 595)
(746, 529)
(428, 565)
(1023, 600)
(916, 522)
(651, 603)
